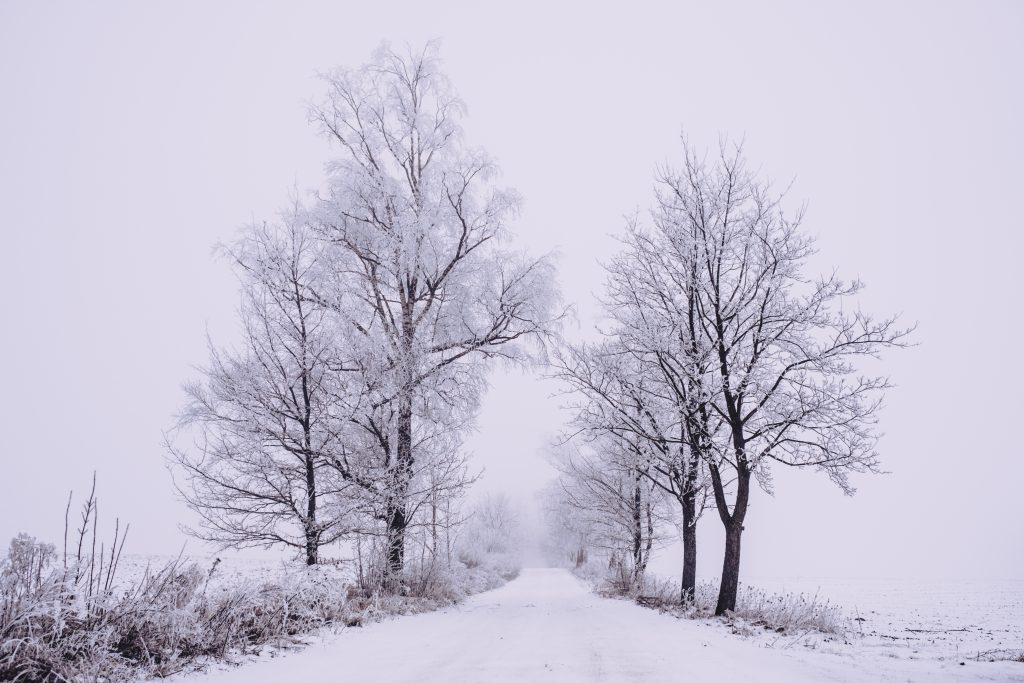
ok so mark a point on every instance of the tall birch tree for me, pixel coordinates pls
(419, 229)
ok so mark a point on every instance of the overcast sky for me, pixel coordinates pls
(133, 137)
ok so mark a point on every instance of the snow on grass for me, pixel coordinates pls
(755, 607)
(162, 616)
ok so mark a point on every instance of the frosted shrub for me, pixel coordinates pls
(430, 585)
(780, 612)
(168, 618)
(23, 570)
(787, 611)
(74, 620)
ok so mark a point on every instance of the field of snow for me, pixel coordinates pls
(943, 620)
(548, 625)
(232, 569)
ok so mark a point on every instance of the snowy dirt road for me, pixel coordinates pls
(547, 626)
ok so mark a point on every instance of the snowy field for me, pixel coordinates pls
(547, 625)
(945, 620)
(231, 570)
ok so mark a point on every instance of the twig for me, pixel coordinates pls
(67, 511)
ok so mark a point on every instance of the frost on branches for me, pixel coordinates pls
(368, 344)
(723, 357)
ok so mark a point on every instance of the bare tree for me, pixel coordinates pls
(492, 526)
(436, 480)
(497, 523)
(606, 485)
(782, 379)
(263, 419)
(570, 531)
(651, 299)
(623, 395)
(417, 227)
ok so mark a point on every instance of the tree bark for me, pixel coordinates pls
(688, 502)
(733, 524)
(638, 534)
(730, 570)
(649, 543)
(312, 551)
(396, 513)
(689, 582)
(396, 546)
(312, 537)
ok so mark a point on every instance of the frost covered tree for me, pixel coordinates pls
(493, 525)
(437, 479)
(623, 402)
(569, 531)
(723, 358)
(418, 230)
(778, 350)
(605, 483)
(262, 418)
(651, 300)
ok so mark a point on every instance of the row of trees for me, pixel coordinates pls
(720, 357)
(370, 313)
(368, 318)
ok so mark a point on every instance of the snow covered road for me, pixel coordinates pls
(547, 626)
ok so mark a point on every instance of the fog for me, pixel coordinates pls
(134, 137)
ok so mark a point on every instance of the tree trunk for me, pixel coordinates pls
(730, 570)
(396, 513)
(359, 558)
(448, 530)
(649, 543)
(312, 535)
(312, 549)
(311, 553)
(733, 524)
(638, 535)
(396, 547)
(697, 433)
(433, 523)
(689, 582)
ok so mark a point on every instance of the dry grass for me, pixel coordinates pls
(53, 628)
(1001, 655)
(756, 609)
(69, 617)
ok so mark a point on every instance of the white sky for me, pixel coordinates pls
(135, 136)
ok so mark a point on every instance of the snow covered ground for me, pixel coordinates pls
(922, 619)
(548, 626)
(231, 569)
